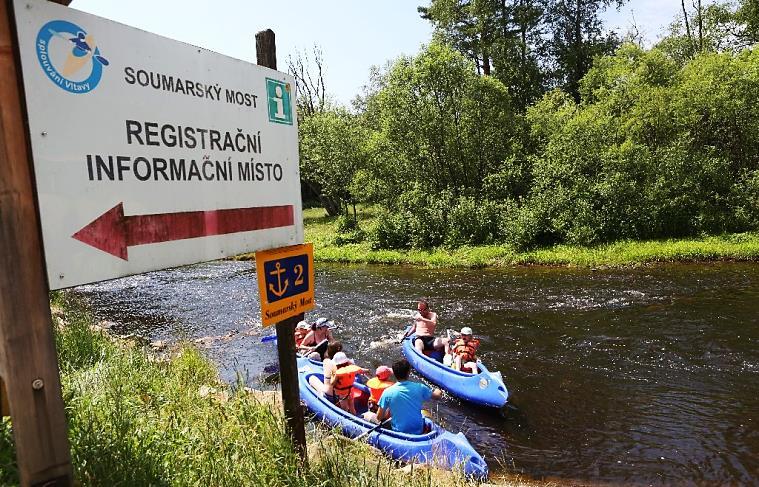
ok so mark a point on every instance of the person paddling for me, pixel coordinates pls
(425, 321)
(464, 351)
(403, 401)
(320, 331)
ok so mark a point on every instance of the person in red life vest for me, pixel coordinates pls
(377, 385)
(464, 351)
(301, 330)
(425, 321)
(342, 381)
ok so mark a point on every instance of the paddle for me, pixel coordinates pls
(368, 432)
(405, 334)
(320, 347)
(268, 338)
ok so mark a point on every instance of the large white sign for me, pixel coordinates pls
(150, 153)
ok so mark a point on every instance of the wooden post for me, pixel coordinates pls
(266, 49)
(288, 380)
(28, 361)
(266, 53)
(5, 409)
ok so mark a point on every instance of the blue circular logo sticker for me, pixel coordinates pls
(69, 56)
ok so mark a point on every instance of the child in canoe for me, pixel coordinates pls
(383, 378)
(343, 377)
(464, 351)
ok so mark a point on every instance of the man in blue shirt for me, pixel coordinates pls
(403, 401)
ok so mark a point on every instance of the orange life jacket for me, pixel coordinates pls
(300, 334)
(466, 349)
(377, 387)
(345, 376)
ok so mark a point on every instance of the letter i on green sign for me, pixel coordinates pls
(280, 108)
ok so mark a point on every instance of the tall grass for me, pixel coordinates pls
(138, 420)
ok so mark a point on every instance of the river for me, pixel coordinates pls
(633, 376)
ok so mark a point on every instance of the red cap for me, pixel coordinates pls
(383, 372)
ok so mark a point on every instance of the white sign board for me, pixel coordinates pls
(150, 153)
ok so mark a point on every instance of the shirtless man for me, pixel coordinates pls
(425, 321)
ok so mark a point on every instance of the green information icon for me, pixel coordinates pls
(280, 107)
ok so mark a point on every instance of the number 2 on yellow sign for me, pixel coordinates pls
(299, 270)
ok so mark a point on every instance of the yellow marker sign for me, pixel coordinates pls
(285, 282)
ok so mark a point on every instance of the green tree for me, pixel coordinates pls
(502, 37)
(577, 36)
(440, 124)
(333, 152)
(748, 15)
(715, 27)
(654, 150)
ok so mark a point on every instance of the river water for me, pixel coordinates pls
(635, 376)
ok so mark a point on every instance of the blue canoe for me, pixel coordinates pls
(439, 447)
(484, 388)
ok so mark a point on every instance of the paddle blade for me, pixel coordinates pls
(270, 338)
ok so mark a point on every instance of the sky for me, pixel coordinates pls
(352, 34)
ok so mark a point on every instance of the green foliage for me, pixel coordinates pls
(391, 231)
(577, 36)
(640, 144)
(716, 27)
(655, 151)
(748, 15)
(473, 223)
(332, 148)
(346, 223)
(739, 246)
(504, 39)
(439, 124)
(8, 468)
(349, 231)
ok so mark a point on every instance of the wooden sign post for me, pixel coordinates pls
(74, 211)
(28, 361)
(286, 287)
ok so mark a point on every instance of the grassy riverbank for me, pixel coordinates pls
(136, 418)
(322, 231)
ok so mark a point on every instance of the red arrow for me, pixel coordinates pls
(113, 232)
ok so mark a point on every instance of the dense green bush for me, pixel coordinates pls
(391, 231)
(346, 224)
(653, 151)
(472, 222)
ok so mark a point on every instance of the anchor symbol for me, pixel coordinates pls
(280, 290)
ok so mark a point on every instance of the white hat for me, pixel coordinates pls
(321, 322)
(340, 358)
(325, 323)
(466, 331)
(303, 324)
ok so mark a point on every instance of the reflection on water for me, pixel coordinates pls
(633, 376)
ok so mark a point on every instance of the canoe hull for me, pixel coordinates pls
(439, 447)
(484, 388)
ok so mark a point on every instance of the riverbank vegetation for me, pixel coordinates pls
(334, 243)
(512, 138)
(137, 418)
